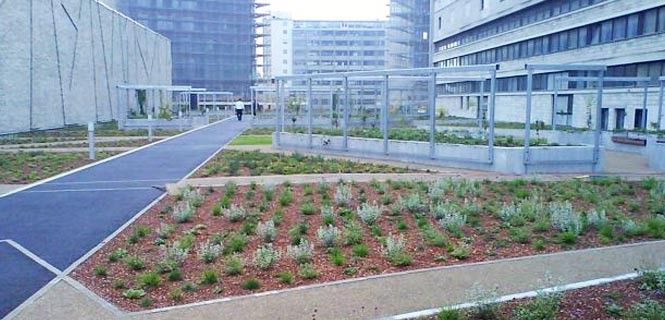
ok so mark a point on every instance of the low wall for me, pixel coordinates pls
(185, 123)
(563, 159)
(657, 156)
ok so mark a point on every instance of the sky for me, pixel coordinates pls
(332, 9)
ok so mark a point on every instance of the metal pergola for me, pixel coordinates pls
(599, 78)
(660, 103)
(643, 80)
(213, 95)
(432, 75)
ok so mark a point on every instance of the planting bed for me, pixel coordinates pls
(642, 298)
(99, 144)
(203, 244)
(28, 167)
(255, 163)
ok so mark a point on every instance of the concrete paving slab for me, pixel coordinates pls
(63, 301)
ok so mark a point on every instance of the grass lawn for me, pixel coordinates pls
(252, 140)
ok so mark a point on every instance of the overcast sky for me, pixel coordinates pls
(332, 9)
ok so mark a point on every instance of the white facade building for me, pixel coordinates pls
(627, 36)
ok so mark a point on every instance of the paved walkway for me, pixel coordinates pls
(6, 188)
(59, 221)
(379, 296)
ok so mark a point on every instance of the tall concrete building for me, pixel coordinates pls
(627, 36)
(60, 62)
(213, 41)
(408, 34)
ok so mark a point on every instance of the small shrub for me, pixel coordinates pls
(360, 250)
(285, 277)
(308, 271)
(343, 196)
(148, 279)
(234, 265)
(543, 307)
(235, 214)
(413, 203)
(301, 253)
(135, 262)
(265, 256)
(450, 314)
(146, 302)
(328, 235)
(286, 198)
(564, 218)
(307, 209)
(209, 276)
(100, 271)
(174, 275)
(453, 222)
(510, 211)
(520, 235)
(208, 252)
(568, 237)
(328, 215)
(133, 293)
(236, 242)
(230, 189)
(117, 254)
(442, 210)
(297, 232)
(175, 294)
(652, 280)
(656, 227)
(353, 234)
(596, 218)
(461, 252)
(646, 310)
(189, 287)
(268, 192)
(251, 284)
(369, 214)
(633, 229)
(118, 284)
(394, 250)
(337, 257)
(193, 196)
(267, 231)
(539, 244)
(182, 212)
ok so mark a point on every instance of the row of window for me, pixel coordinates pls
(546, 81)
(330, 43)
(539, 12)
(617, 29)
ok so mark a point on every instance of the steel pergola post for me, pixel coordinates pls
(384, 111)
(555, 102)
(660, 104)
(432, 116)
(278, 116)
(347, 105)
(309, 113)
(599, 114)
(644, 107)
(492, 113)
(527, 120)
(479, 115)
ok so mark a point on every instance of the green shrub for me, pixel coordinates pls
(328, 235)
(175, 294)
(568, 237)
(148, 279)
(395, 251)
(209, 276)
(369, 214)
(539, 244)
(133, 293)
(520, 235)
(100, 271)
(230, 189)
(450, 314)
(146, 302)
(353, 234)
(174, 275)
(118, 284)
(285, 277)
(543, 307)
(308, 271)
(646, 310)
(265, 256)
(337, 257)
(656, 227)
(235, 214)
(460, 252)
(360, 250)
(297, 232)
(135, 262)
(307, 209)
(652, 280)
(286, 198)
(117, 254)
(301, 253)
(234, 265)
(251, 284)
(189, 287)
(235, 243)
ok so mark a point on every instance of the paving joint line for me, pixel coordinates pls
(92, 190)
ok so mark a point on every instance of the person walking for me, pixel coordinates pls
(240, 107)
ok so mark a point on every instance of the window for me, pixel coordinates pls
(482, 4)
(619, 28)
(633, 26)
(606, 32)
(619, 121)
(640, 118)
(661, 19)
(650, 22)
(440, 23)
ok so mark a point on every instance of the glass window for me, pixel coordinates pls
(606, 32)
(538, 46)
(661, 19)
(583, 37)
(554, 43)
(572, 39)
(633, 24)
(563, 41)
(650, 21)
(546, 45)
(594, 37)
(619, 28)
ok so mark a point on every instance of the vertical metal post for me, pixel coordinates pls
(278, 117)
(527, 120)
(347, 106)
(599, 114)
(91, 140)
(384, 113)
(492, 112)
(309, 113)
(644, 107)
(660, 105)
(555, 102)
(479, 116)
(150, 133)
(432, 116)
(332, 105)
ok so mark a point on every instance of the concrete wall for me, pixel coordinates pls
(575, 159)
(61, 61)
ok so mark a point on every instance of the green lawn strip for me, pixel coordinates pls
(252, 140)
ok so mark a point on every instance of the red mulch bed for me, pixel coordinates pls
(488, 240)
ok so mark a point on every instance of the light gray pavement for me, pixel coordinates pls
(623, 162)
(383, 295)
(6, 188)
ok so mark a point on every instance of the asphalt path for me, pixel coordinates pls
(61, 220)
